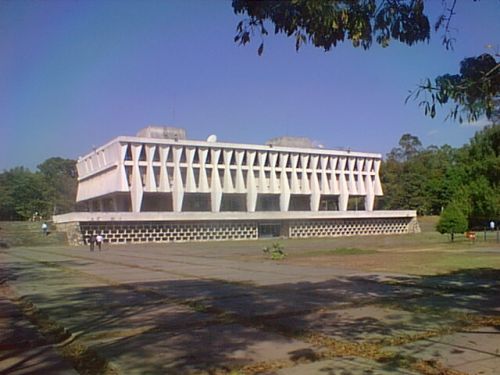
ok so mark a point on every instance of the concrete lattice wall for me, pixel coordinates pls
(139, 232)
(170, 232)
(353, 227)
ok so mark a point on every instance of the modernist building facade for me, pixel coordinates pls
(161, 187)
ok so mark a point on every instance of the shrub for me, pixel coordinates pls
(275, 251)
(452, 220)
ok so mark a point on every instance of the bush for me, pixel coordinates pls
(452, 220)
(275, 251)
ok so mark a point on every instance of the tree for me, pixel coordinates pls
(23, 194)
(403, 176)
(409, 146)
(474, 91)
(429, 179)
(325, 23)
(483, 174)
(61, 177)
(50, 190)
(452, 220)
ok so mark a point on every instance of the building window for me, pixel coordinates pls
(267, 230)
(196, 202)
(156, 202)
(233, 202)
(356, 203)
(329, 203)
(299, 202)
(268, 202)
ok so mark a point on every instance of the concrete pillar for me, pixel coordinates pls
(240, 182)
(315, 190)
(285, 184)
(294, 184)
(136, 189)
(203, 182)
(216, 188)
(177, 187)
(251, 189)
(344, 191)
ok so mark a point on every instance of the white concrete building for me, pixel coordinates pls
(176, 189)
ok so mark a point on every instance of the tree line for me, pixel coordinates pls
(436, 180)
(430, 180)
(51, 189)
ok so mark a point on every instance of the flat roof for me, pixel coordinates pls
(227, 145)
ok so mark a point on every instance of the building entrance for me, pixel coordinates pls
(269, 230)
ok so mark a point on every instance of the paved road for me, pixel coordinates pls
(185, 309)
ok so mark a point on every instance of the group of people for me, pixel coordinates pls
(95, 240)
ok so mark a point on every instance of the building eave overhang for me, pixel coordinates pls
(227, 145)
(227, 216)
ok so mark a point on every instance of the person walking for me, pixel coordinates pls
(45, 229)
(99, 240)
(92, 241)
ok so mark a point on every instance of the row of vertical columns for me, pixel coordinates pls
(366, 184)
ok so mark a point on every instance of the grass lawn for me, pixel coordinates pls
(425, 253)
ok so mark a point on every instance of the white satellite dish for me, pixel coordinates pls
(212, 138)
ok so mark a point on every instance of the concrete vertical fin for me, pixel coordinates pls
(343, 189)
(136, 189)
(190, 180)
(378, 186)
(150, 174)
(295, 185)
(240, 182)
(164, 180)
(177, 187)
(251, 184)
(263, 184)
(216, 188)
(285, 184)
(334, 178)
(351, 162)
(273, 180)
(203, 182)
(315, 189)
(123, 173)
(370, 196)
(228, 181)
(304, 182)
(360, 175)
(324, 186)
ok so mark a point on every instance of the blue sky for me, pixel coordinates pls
(75, 74)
